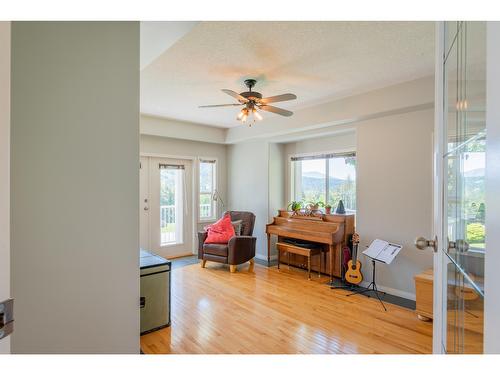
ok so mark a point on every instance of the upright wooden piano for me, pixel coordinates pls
(330, 231)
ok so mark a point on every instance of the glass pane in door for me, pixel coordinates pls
(464, 203)
(171, 206)
(464, 314)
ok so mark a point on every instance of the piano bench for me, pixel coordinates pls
(299, 250)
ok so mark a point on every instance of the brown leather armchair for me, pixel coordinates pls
(240, 249)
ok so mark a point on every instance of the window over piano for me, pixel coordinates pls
(326, 177)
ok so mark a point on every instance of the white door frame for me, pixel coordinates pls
(184, 247)
(5, 171)
(439, 275)
(193, 181)
(144, 206)
(492, 257)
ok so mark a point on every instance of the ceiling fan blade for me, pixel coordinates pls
(235, 95)
(219, 105)
(278, 98)
(279, 111)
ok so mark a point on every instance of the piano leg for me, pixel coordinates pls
(332, 254)
(269, 250)
(320, 263)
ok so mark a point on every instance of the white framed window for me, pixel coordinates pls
(207, 189)
(326, 178)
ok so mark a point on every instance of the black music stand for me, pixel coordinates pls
(372, 287)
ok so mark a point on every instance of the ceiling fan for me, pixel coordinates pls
(253, 102)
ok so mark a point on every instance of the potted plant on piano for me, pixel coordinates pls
(328, 209)
(295, 206)
(314, 206)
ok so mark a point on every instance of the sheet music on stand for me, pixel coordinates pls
(383, 251)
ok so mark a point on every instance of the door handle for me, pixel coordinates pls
(422, 243)
(460, 246)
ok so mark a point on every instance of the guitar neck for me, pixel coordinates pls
(355, 242)
(355, 253)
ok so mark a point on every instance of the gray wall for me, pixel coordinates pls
(394, 193)
(4, 170)
(248, 188)
(75, 183)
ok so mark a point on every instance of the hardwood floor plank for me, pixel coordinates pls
(269, 311)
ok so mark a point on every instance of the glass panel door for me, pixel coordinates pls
(464, 191)
(171, 204)
(170, 210)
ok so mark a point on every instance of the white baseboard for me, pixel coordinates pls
(393, 291)
(382, 288)
(264, 257)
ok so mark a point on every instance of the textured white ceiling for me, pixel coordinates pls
(317, 61)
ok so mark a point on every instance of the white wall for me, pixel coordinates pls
(492, 260)
(248, 185)
(75, 183)
(394, 193)
(277, 169)
(277, 178)
(4, 170)
(163, 127)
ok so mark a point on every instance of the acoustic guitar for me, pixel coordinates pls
(353, 274)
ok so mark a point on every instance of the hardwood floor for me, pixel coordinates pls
(271, 311)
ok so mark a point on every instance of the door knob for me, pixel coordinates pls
(423, 243)
(460, 246)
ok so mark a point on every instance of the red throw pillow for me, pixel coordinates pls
(221, 231)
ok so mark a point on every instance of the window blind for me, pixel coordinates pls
(170, 166)
(324, 156)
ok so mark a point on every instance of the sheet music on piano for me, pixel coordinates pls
(383, 251)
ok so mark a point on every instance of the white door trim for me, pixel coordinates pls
(492, 257)
(5, 171)
(439, 276)
(186, 246)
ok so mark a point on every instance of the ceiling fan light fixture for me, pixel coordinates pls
(253, 103)
(257, 115)
(244, 115)
(241, 114)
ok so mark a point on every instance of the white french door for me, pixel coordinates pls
(460, 141)
(166, 201)
(144, 203)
